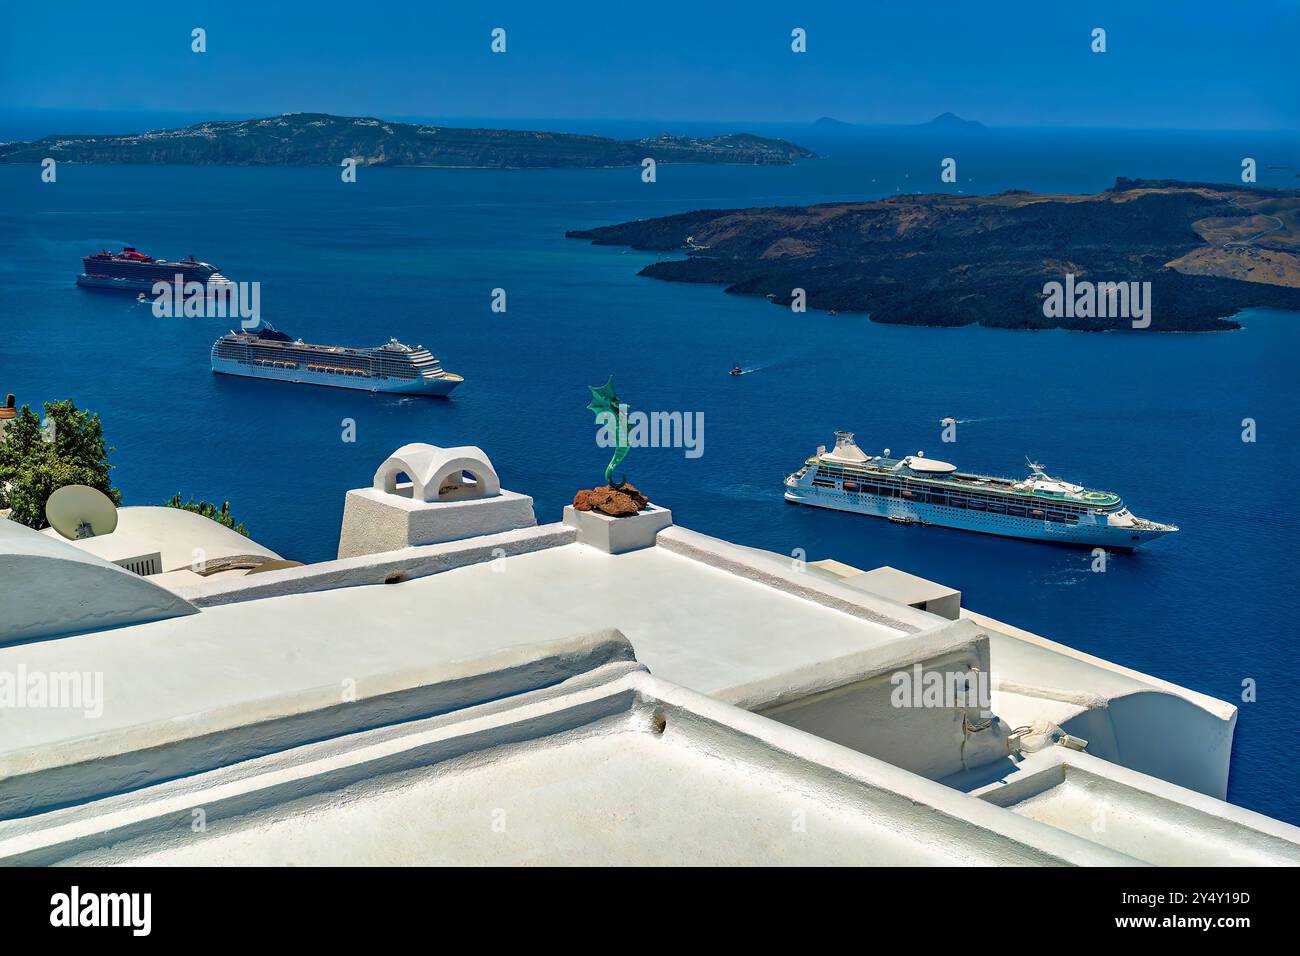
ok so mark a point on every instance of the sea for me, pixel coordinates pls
(417, 254)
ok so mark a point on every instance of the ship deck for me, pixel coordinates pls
(367, 352)
(1093, 498)
(329, 349)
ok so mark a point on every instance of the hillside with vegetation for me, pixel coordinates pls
(316, 139)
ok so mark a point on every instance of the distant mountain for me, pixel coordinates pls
(316, 139)
(944, 121)
(1208, 251)
(952, 121)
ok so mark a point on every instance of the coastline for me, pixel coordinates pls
(995, 259)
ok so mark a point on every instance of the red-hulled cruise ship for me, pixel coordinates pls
(134, 271)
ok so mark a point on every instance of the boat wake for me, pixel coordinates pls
(1067, 577)
(747, 493)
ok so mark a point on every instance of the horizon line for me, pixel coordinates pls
(452, 120)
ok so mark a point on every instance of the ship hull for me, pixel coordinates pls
(1092, 535)
(157, 270)
(134, 285)
(434, 387)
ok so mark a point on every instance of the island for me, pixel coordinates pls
(951, 121)
(314, 139)
(1207, 251)
(944, 123)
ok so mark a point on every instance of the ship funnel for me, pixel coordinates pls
(845, 449)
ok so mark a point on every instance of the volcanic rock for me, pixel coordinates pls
(608, 500)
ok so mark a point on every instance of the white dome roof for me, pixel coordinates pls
(49, 587)
(929, 466)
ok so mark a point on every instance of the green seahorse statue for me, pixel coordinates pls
(605, 403)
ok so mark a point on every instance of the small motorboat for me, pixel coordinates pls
(737, 370)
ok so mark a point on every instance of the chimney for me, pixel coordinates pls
(7, 412)
(424, 494)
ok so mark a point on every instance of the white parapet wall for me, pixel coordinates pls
(913, 703)
(1140, 815)
(877, 699)
(1129, 718)
(386, 567)
(608, 767)
(241, 722)
(906, 589)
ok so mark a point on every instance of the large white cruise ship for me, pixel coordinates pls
(920, 490)
(267, 352)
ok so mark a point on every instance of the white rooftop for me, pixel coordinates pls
(231, 662)
(690, 700)
(613, 766)
(185, 541)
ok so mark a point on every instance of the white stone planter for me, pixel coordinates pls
(617, 535)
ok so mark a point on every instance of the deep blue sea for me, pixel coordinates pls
(416, 253)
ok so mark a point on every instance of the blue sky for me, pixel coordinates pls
(1177, 63)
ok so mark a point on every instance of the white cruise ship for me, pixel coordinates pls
(269, 353)
(920, 490)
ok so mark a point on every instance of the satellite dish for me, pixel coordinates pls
(79, 511)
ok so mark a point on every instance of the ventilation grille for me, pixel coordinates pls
(144, 565)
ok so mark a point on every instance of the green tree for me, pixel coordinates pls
(36, 460)
(220, 515)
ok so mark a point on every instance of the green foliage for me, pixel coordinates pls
(208, 510)
(35, 462)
